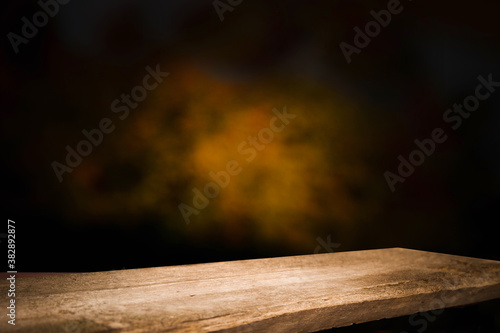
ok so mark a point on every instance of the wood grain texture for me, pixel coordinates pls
(288, 294)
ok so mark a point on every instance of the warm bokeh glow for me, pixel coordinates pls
(192, 125)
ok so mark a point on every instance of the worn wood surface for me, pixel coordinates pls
(289, 294)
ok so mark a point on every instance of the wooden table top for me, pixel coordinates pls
(287, 294)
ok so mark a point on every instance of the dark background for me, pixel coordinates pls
(321, 178)
(323, 175)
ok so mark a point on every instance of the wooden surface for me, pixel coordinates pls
(288, 294)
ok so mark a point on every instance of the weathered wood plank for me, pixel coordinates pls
(289, 294)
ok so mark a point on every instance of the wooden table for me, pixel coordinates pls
(287, 294)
